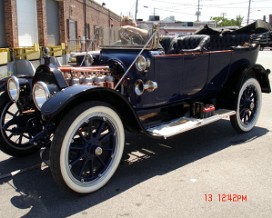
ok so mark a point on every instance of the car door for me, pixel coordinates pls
(168, 74)
(180, 76)
(194, 73)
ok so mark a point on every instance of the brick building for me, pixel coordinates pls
(51, 22)
(26, 25)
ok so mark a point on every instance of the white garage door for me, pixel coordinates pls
(27, 22)
(52, 16)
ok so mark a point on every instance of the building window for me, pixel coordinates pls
(87, 31)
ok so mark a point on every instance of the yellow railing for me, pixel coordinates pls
(57, 50)
(4, 56)
(29, 53)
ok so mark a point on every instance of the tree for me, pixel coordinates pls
(222, 21)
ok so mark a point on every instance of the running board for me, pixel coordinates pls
(184, 124)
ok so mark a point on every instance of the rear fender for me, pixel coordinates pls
(229, 91)
(59, 104)
(262, 77)
(238, 77)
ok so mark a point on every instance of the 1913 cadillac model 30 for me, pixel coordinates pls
(162, 86)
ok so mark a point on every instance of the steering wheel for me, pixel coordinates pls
(130, 37)
(126, 35)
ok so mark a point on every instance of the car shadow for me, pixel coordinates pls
(143, 159)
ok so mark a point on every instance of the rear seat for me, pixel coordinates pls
(176, 45)
(166, 42)
(226, 42)
(182, 44)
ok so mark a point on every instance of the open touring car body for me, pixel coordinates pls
(161, 87)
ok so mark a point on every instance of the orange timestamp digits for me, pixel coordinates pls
(225, 198)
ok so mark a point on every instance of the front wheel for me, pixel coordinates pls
(248, 106)
(17, 128)
(87, 147)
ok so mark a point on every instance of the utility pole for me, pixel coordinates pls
(136, 10)
(248, 12)
(85, 18)
(198, 11)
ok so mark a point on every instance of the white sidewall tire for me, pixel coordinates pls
(242, 127)
(88, 187)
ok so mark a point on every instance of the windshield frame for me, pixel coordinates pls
(152, 42)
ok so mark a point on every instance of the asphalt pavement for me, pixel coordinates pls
(207, 172)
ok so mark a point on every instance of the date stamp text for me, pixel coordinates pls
(225, 198)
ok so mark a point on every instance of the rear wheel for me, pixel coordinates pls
(17, 128)
(87, 147)
(248, 106)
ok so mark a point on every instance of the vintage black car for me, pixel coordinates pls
(264, 39)
(162, 86)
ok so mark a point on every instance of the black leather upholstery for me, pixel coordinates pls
(166, 42)
(201, 42)
(189, 43)
(225, 42)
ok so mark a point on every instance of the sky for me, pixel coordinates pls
(185, 10)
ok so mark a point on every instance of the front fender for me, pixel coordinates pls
(71, 96)
(62, 98)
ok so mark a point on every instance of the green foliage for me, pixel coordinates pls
(222, 21)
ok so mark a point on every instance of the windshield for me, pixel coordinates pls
(119, 37)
